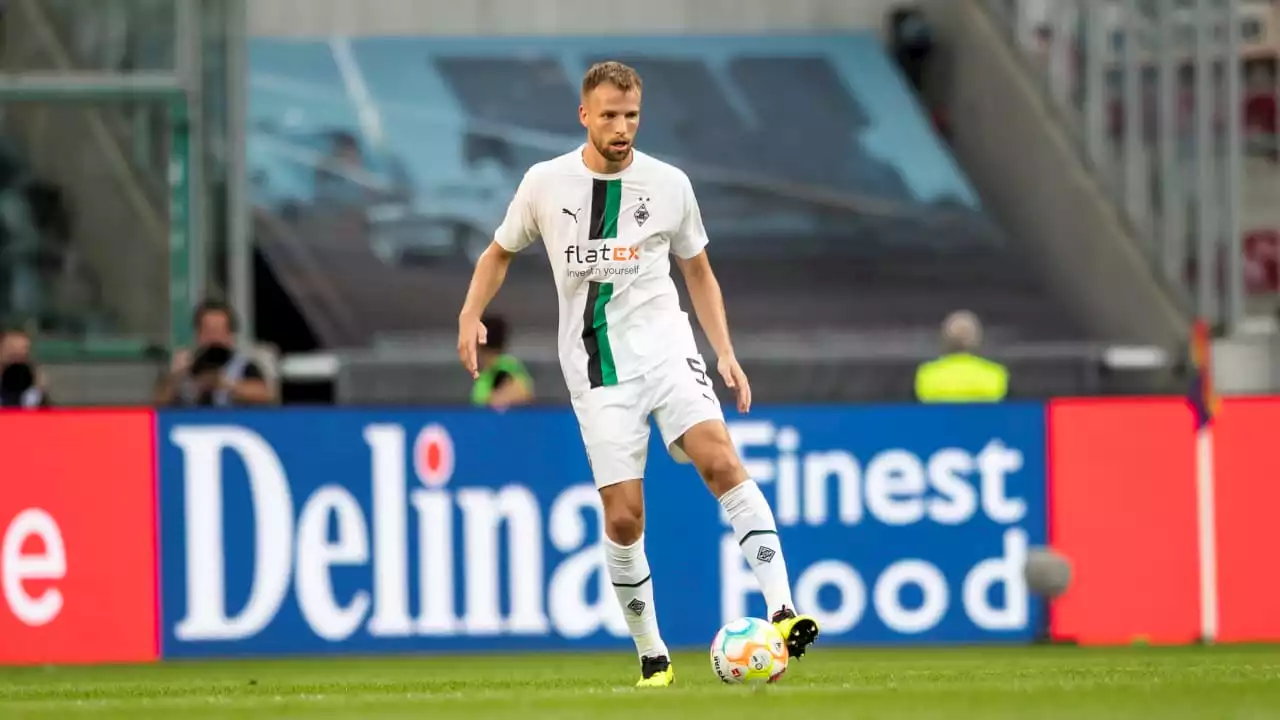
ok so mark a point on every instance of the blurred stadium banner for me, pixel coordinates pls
(1123, 508)
(1247, 498)
(77, 538)
(1123, 502)
(903, 525)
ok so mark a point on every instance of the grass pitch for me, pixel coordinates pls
(1221, 683)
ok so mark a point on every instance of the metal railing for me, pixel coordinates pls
(1144, 86)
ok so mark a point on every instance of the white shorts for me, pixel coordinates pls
(615, 419)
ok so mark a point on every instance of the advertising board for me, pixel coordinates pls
(300, 532)
(77, 537)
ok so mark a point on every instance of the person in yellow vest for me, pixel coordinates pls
(960, 375)
(504, 381)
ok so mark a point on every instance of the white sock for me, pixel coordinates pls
(757, 535)
(629, 572)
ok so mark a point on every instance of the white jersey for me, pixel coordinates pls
(608, 238)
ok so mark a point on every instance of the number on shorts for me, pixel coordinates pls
(699, 372)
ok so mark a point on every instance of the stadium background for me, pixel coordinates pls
(1085, 176)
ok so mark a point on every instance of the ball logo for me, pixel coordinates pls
(433, 456)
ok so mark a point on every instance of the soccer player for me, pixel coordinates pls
(609, 216)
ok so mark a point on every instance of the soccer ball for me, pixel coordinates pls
(1048, 572)
(749, 651)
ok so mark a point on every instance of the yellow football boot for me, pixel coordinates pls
(656, 672)
(800, 631)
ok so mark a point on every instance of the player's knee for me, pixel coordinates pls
(722, 471)
(623, 512)
(624, 525)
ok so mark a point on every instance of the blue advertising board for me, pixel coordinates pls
(313, 531)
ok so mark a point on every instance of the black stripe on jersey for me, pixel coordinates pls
(599, 199)
(590, 341)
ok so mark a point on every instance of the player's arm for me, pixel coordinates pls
(708, 301)
(690, 248)
(518, 230)
(490, 272)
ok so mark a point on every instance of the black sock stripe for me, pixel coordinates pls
(754, 533)
(635, 585)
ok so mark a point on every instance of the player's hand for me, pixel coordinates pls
(470, 333)
(181, 361)
(736, 380)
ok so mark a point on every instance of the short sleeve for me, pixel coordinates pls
(691, 236)
(519, 229)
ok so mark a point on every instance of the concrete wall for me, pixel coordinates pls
(110, 383)
(303, 18)
(1033, 179)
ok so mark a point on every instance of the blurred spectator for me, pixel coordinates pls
(960, 375)
(214, 374)
(503, 380)
(911, 42)
(336, 177)
(21, 382)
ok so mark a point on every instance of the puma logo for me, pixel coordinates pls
(573, 215)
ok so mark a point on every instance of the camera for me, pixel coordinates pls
(209, 359)
(18, 386)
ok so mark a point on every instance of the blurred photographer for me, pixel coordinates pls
(504, 381)
(215, 374)
(21, 382)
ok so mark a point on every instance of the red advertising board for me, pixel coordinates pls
(77, 537)
(1122, 503)
(1247, 501)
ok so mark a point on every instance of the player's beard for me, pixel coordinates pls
(607, 152)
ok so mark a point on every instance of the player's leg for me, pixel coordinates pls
(692, 425)
(615, 430)
(708, 446)
(631, 577)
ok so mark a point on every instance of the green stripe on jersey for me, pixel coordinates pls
(595, 336)
(612, 203)
(606, 201)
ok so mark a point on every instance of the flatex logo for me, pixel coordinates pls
(605, 252)
(603, 260)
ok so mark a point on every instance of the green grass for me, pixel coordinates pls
(1220, 683)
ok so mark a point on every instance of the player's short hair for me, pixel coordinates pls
(623, 77)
